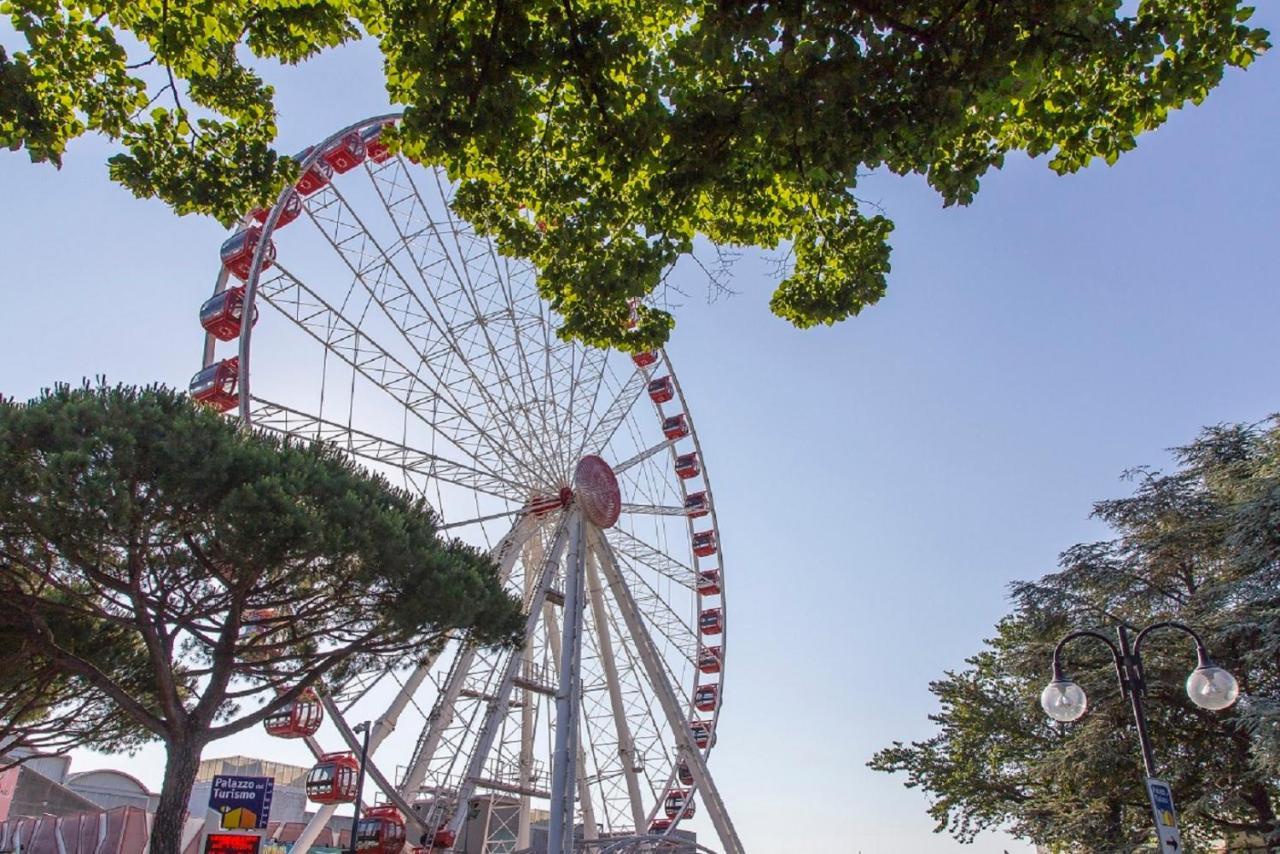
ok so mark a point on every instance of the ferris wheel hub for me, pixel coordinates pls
(595, 487)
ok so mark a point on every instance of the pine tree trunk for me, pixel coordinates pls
(171, 812)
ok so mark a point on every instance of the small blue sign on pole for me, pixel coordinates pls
(244, 803)
(1165, 815)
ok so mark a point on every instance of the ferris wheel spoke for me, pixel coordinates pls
(680, 637)
(287, 421)
(670, 703)
(340, 336)
(616, 413)
(503, 305)
(526, 337)
(643, 455)
(586, 379)
(481, 519)
(373, 268)
(500, 313)
(638, 550)
(410, 215)
(653, 510)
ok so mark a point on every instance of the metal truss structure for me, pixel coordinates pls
(392, 330)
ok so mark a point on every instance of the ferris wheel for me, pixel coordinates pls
(373, 319)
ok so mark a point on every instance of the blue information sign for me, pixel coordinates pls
(244, 803)
(1165, 815)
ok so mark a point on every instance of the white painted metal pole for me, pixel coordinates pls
(626, 744)
(533, 556)
(500, 702)
(506, 552)
(318, 823)
(667, 699)
(589, 831)
(564, 760)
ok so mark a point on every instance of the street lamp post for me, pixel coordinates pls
(364, 757)
(1208, 686)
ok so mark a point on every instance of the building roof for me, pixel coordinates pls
(248, 766)
(107, 777)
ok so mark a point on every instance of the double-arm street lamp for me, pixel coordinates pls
(1208, 686)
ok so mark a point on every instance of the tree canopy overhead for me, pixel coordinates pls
(630, 127)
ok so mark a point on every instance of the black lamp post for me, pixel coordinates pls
(1208, 686)
(364, 756)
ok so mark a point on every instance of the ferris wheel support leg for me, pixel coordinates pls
(506, 552)
(528, 711)
(590, 830)
(626, 744)
(387, 786)
(498, 706)
(667, 699)
(318, 822)
(564, 760)
(386, 723)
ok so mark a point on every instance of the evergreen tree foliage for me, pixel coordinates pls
(1200, 545)
(168, 575)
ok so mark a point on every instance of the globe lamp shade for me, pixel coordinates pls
(1063, 700)
(1211, 687)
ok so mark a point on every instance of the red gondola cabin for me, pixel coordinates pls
(676, 802)
(659, 825)
(697, 505)
(374, 147)
(645, 359)
(661, 390)
(257, 625)
(444, 839)
(381, 830)
(711, 621)
(709, 582)
(216, 385)
(299, 719)
(221, 314)
(237, 252)
(333, 779)
(675, 427)
(704, 543)
(706, 697)
(257, 621)
(702, 733)
(292, 208)
(317, 175)
(709, 659)
(684, 775)
(345, 154)
(687, 465)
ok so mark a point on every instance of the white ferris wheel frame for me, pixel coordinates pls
(592, 569)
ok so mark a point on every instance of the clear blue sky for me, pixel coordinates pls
(879, 483)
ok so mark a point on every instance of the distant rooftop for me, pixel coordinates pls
(246, 766)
